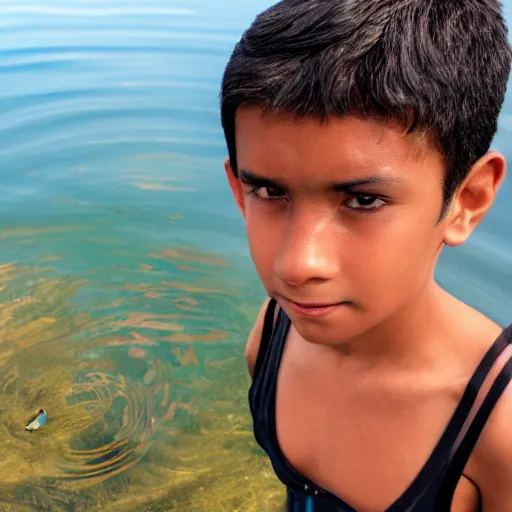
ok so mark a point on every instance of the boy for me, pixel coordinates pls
(358, 134)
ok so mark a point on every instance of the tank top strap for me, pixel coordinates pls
(266, 368)
(266, 335)
(474, 388)
(444, 464)
(478, 415)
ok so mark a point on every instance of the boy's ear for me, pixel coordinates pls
(236, 187)
(474, 198)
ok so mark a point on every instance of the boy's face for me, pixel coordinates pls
(342, 216)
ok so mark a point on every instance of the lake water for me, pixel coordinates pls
(126, 289)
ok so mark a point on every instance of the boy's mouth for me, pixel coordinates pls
(311, 305)
(314, 308)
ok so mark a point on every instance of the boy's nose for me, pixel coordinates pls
(307, 253)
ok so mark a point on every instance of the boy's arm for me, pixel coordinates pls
(253, 341)
(493, 457)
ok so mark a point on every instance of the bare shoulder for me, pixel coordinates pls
(253, 341)
(491, 462)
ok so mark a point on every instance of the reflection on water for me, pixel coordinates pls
(150, 405)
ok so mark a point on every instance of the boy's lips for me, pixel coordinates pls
(314, 305)
(314, 308)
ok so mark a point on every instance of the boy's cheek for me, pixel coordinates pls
(264, 247)
(262, 244)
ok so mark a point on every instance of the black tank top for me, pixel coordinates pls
(433, 488)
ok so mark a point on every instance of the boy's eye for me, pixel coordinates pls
(363, 202)
(268, 192)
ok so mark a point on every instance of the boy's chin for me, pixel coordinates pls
(335, 329)
(322, 337)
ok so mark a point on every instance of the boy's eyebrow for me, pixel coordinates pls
(251, 178)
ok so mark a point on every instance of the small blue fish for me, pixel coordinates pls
(37, 421)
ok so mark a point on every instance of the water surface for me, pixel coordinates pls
(126, 290)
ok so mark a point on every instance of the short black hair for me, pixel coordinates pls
(439, 67)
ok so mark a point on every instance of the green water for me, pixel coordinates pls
(126, 289)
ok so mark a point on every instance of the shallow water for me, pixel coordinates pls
(126, 290)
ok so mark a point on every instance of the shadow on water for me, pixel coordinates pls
(145, 392)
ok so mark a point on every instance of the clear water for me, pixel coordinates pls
(126, 290)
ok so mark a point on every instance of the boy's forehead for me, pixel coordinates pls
(281, 139)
